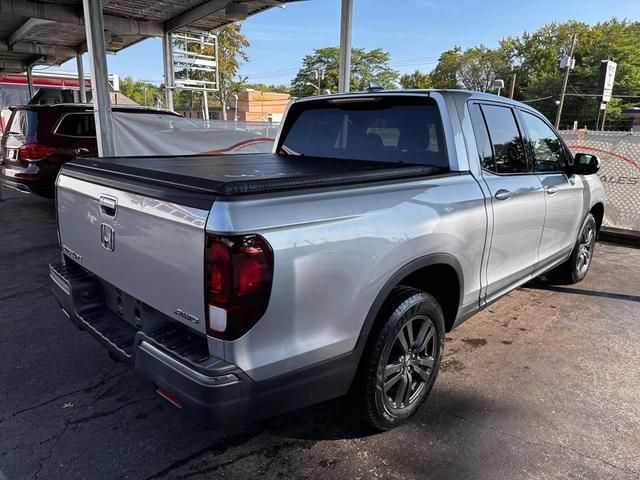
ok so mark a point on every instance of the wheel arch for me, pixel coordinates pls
(421, 273)
(597, 210)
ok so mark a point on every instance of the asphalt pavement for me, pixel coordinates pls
(543, 384)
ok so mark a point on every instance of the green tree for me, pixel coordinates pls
(474, 69)
(479, 67)
(140, 91)
(232, 45)
(445, 75)
(366, 66)
(416, 79)
(534, 57)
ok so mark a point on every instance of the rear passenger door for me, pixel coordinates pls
(563, 194)
(517, 198)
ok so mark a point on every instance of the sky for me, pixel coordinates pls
(414, 32)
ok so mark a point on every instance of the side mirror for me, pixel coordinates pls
(585, 164)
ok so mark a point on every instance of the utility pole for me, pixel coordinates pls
(319, 78)
(512, 90)
(566, 79)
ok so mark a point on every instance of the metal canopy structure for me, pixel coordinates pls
(51, 32)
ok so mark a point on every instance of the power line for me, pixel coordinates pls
(537, 99)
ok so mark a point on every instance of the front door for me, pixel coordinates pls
(517, 198)
(563, 194)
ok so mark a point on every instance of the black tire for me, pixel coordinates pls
(415, 316)
(575, 269)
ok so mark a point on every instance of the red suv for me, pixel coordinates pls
(39, 139)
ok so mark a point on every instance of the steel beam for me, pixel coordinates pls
(205, 104)
(195, 14)
(38, 49)
(30, 81)
(63, 14)
(167, 63)
(25, 28)
(344, 73)
(125, 26)
(13, 65)
(94, 27)
(83, 89)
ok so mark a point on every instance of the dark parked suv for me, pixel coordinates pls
(39, 139)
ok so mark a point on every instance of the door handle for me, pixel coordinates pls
(108, 206)
(551, 190)
(503, 194)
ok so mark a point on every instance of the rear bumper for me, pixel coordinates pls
(20, 180)
(210, 390)
(212, 393)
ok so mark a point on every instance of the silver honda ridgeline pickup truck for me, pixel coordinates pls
(242, 286)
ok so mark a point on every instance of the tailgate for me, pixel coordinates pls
(151, 249)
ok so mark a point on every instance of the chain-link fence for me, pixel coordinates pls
(619, 153)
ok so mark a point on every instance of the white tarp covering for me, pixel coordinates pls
(145, 134)
(619, 153)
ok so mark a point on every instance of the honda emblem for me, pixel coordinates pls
(107, 237)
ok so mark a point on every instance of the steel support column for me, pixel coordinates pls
(94, 26)
(167, 63)
(83, 90)
(30, 80)
(344, 75)
(205, 104)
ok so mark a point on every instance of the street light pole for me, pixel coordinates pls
(566, 80)
(344, 73)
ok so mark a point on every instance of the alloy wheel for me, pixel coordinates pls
(410, 363)
(585, 249)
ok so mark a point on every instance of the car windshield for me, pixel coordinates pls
(391, 129)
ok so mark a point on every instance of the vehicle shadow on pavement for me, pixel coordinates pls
(540, 285)
(339, 419)
(329, 441)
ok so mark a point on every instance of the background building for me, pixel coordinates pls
(252, 106)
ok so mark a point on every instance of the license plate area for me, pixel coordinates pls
(130, 309)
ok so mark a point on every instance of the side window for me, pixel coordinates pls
(77, 125)
(508, 148)
(482, 138)
(547, 149)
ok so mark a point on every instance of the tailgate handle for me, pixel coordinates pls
(108, 206)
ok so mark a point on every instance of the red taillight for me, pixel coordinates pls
(32, 152)
(239, 272)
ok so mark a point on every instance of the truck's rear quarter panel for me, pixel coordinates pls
(335, 250)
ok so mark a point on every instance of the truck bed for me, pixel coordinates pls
(196, 180)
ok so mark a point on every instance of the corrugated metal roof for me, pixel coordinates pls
(50, 32)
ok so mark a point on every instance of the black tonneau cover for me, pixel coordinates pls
(195, 179)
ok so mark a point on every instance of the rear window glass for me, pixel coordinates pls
(23, 122)
(77, 125)
(398, 129)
